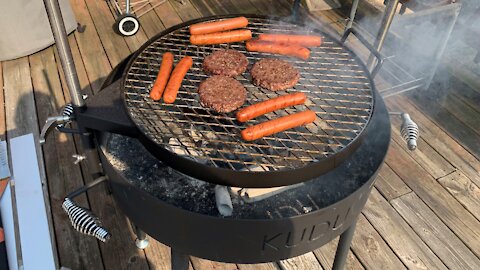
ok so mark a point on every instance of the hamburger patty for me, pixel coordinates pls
(222, 94)
(274, 74)
(225, 62)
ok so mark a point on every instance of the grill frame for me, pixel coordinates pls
(240, 178)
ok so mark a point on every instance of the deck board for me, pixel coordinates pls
(326, 254)
(73, 249)
(424, 211)
(438, 237)
(406, 244)
(448, 209)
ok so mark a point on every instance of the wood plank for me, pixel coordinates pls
(451, 125)
(114, 45)
(464, 92)
(305, 261)
(244, 7)
(158, 255)
(95, 59)
(450, 211)
(438, 237)
(21, 117)
(167, 14)
(461, 110)
(466, 192)
(389, 184)
(79, 67)
(450, 149)
(371, 249)
(186, 10)
(326, 254)
(202, 264)
(205, 8)
(63, 176)
(413, 252)
(425, 155)
(103, 205)
(151, 26)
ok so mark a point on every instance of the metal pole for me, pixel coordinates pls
(343, 247)
(353, 11)
(387, 19)
(64, 51)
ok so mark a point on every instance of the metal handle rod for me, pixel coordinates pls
(353, 11)
(60, 35)
(387, 19)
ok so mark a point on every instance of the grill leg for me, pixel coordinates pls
(180, 261)
(142, 241)
(343, 247)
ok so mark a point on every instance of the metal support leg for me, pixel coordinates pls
(353, 11)
(179, 260)
(343, 247)
(390, 11)
(142, 241)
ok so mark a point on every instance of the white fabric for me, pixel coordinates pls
(24, 27)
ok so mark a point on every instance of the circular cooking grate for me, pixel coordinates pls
(338, 87)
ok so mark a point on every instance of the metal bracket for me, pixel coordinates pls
(52, 123)
(380, 58)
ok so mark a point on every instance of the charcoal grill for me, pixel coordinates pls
(162, 162)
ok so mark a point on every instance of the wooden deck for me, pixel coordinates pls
(423, 213)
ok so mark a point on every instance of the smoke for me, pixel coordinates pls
(416, 39)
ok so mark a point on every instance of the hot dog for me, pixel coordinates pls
(224, 25)
(222, 37)
(277, 125)
(278, 48)
(162, 77)
(176, 79)
(270, 105)
(301, 40)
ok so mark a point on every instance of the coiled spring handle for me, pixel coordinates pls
(408, 129)
(82, 219)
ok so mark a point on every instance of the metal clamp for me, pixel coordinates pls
(82, 219)
(52, 122)
(376, 53)
(408, 129)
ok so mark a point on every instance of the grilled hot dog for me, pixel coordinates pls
(270, 105)
(301, 40)
(176, 79)
(162, 77)
(277, 125)
(278, 48)
(213, 27)
(222, 37)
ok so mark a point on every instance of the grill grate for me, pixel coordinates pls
(338, 88)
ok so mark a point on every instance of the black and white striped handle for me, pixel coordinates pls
(84, 221)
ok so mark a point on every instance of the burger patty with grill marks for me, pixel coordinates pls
(222, 94)
(225, 62)
(274, 74)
